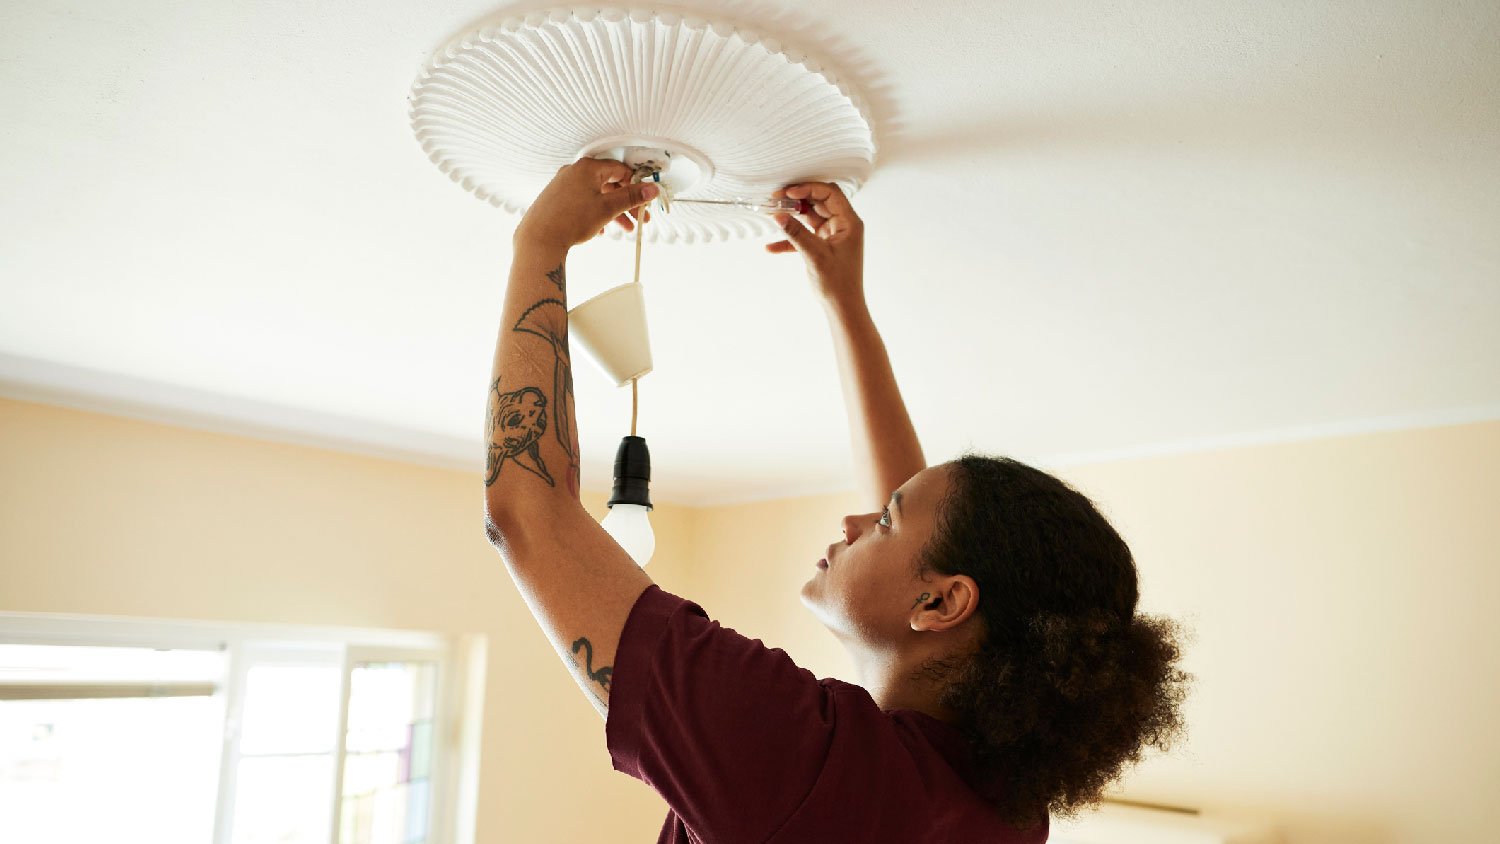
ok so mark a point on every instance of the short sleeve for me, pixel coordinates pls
(732, 734)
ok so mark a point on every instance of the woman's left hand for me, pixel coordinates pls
(579, 201)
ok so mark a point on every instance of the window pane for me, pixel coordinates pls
(290, 709)
(84, 770)
(367, 772)
(416, 814)
(388, 753)
(283, 800)
(421, 750)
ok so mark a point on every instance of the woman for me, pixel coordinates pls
(989, 609)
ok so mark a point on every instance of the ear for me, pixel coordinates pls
(951, 600)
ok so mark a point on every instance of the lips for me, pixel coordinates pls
(827, 556)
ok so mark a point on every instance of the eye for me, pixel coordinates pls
(885, 517)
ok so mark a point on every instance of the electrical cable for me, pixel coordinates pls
(640, 224)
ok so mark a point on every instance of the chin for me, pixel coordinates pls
(815, 602)
(814, 599)
(809, 590)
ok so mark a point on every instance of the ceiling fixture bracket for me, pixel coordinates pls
(713, 109)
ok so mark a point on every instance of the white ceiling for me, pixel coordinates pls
(1094, 229)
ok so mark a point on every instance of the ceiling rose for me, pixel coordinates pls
(734, 112)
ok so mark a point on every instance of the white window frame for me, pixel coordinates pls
(443, 775)
(455, 730)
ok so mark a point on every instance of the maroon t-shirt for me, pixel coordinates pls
(746, 747)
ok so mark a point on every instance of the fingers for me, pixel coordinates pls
(780, 247)
(831, 215)
(797, 234)
(814, 216)
(604, 170)
(824, 193)
(626, 197)
(815, 223)
(627, 220)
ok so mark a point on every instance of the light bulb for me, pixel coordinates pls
(627, 521)
(630, 525)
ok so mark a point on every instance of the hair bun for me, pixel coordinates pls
(1079, 653)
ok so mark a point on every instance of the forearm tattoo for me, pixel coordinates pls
(517, 420)
(601, 676)
(548, 319)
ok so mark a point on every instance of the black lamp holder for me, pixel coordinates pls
(632, 473)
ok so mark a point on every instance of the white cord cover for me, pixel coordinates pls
(502, 108)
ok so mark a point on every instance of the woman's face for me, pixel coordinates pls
(866, 587)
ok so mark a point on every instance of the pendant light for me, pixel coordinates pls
(611, 329)
(720, 112)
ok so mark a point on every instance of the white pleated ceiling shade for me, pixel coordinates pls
(501, 108)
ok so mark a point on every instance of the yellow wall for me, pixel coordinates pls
(1342, 591)
(103, 515)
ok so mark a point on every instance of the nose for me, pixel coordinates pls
(854, 526)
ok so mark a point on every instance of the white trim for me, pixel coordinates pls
(465, 700)
(234, 699)
(1250, 439)
(26, 379)
(340, 747)
(1281, 436)
(341, 735)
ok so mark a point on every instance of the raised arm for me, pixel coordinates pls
(832, 242)
(577, 581)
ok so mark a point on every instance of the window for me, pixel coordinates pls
(185, 732)
(282, 745)
(387, 781)
(98, 740)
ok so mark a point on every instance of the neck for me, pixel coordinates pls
(895, 680)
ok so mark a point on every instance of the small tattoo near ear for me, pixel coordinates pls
(925, 597)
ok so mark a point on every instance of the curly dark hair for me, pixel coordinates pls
(1069, 684)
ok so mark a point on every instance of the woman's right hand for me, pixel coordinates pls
(831, 239)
